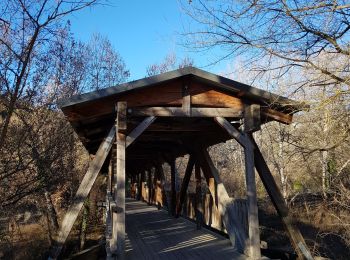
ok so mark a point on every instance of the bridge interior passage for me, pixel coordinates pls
(137, 126)
(153, 234)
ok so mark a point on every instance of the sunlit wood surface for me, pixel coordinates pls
(153, 234)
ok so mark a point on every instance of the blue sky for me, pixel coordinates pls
(143, 32)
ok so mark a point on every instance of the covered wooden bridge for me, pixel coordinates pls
(134, 128)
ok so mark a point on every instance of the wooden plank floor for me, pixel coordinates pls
(153, 234)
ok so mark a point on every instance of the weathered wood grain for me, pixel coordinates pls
(274, 192)
(190, 112)
(153, 234)
(139, 130)
(253, 219)
(172, 187)
(82, 192)
(119, 192)
(235, 230)
(252, 121)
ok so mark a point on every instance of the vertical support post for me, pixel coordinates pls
(274, 192)
(251, 123)
(199, 206)
(149, 186)
(139, 185)
(158, 188)
(173, 188)
(113, 212)
(108, 208)
(186, 99)
(154, 188)
(271, 187)
(160, 172)
(119, 195)
(185, 182)
(133, 185)
(143, 192)
(253, 220)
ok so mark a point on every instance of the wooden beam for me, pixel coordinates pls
(271, 188)
(253, 219)
(139, 130)
(108, 232)
(179, 112)
(199, 206)
(234, 228)
(252, 120)
(154, 186)
(143, 191)
(184, 185)
(119, 193)
(186, 100)
(149, 184)
(110, 177)
(121, 116)
(172, 187)
(252, 123)
(179, 126)
(281, 117)
(232, 131)
(274, 192)
(113, 237)
(139, 189)
(82, 192)
(160, 173)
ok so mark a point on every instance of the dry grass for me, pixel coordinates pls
(25, 242)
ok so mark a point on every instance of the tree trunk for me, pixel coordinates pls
(17, 86)
(324, 160)
(281, 167)
(324, 153)
(51, 214)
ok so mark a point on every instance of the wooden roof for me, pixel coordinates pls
(92, 114)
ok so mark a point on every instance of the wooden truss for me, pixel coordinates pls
(248, 242)
(180, 113)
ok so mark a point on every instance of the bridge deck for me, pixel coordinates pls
(153, 234)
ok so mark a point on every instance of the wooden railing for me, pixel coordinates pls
(211, 216)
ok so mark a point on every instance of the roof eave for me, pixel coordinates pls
(219, 81)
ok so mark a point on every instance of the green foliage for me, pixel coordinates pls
(297, 186)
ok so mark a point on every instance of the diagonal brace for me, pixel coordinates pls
(83, 191)
(139, 130)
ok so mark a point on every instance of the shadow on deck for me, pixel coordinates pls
(153, 234)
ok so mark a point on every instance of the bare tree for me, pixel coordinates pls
(170, 62)
(26, 28)
(300, 34)
(104, 64)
